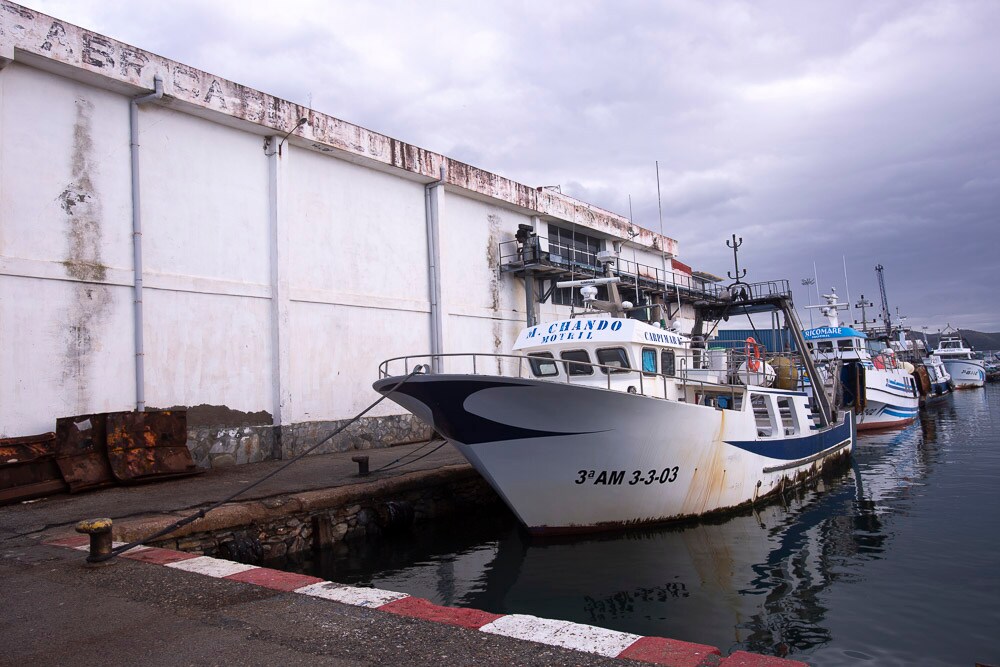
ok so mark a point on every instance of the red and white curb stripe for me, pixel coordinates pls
(565, 634)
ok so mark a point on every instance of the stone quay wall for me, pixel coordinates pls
(235, 445)
(257, 531)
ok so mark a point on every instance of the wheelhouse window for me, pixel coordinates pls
(615, 357)
(824, 346)
(787, 415)
(762, 415)
(667, 362)
(845, 345)
(569, 356)
(649, 360)
(543, 365)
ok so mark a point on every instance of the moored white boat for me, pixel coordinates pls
(601, 421)
(966, 371)
(883, 390)
(940, 378)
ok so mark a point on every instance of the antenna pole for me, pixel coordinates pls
(819, 299)
(735, 245)
(632, 233)
(847, 287)
(663, 256)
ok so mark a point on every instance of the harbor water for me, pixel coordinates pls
(893, 560)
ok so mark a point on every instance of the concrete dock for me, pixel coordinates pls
(164, 607)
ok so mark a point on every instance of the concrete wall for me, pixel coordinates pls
(276, 278)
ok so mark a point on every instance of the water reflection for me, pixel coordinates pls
(760, 581)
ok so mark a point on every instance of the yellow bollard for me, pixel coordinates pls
(100, 537)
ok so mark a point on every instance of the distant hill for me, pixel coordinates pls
(977, 339)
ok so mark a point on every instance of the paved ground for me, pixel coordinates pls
(57, 610)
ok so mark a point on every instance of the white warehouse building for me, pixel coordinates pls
(169, 238)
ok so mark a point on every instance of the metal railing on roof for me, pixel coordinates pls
(516, 257)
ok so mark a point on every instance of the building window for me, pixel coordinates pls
(542, 365)
(615, 357)
(570, 296)
(569, 356)
(667, 362)
(574, 249)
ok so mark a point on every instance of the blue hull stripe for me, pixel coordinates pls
(900, 412)
(791, 449)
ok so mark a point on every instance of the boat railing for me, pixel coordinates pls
(616, 378)
(738, 360)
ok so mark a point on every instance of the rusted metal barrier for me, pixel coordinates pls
(28, 468)
(82, 452)
(96, 450)
(145, 445)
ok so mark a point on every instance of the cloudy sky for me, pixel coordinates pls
(815, 130)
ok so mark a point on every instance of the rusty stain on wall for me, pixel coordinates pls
(494, 222)
(493, 259)
(81, 204)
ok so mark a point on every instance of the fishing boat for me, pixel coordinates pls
(967, 372)
(875, 381)
(602, 420)
(939, 379)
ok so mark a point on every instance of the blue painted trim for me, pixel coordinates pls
(790, 449)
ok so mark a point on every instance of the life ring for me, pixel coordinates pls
(753, 355)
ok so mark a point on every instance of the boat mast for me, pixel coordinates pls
(864, 304)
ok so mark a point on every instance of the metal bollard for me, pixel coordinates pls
(100, 537)
(362, 462)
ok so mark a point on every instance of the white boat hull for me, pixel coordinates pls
(572, 458)
(941, 383)
(966, 373)
(889, 400)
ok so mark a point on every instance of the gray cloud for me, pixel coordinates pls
(815, 130)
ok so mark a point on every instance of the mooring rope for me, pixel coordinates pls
(200, 514)
(390, 466)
